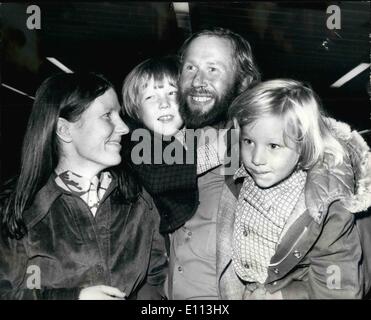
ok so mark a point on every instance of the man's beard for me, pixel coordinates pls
(195, 118)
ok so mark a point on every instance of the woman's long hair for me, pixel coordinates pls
(62, 95)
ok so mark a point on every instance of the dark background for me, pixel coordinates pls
(289, 39)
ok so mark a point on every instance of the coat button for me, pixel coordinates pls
(245, 233)
(180, 269)
(246, 265)
(297, 254)
(274, 283)
(99, 269)
(276, 271)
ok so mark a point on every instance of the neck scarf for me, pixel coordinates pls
(91, 191)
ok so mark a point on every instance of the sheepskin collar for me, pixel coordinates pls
(349, 182)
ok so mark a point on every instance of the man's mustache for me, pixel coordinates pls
(198, 91)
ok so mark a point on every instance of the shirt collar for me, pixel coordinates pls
(180, 136)
(269, 196)
(241, 173)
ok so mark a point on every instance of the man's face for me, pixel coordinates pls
(207, 81)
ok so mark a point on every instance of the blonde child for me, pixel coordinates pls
(286, 223)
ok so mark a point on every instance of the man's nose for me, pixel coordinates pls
(199, 79)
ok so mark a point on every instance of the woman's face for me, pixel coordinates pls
(96, 136)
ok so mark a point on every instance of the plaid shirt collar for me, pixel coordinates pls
(241, 173)
(269, 195)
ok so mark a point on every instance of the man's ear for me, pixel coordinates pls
(245, 83)
(63, 130)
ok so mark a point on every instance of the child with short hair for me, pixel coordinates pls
(150, 98)
(150, 93)
(286, 228)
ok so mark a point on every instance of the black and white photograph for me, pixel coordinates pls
(201, 152)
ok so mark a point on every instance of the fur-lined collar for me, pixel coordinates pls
(360, 156)
(350, 182)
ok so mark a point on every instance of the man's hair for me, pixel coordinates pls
(243, 61)
(158, 69)
(298, 106)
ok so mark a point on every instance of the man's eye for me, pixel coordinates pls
(212, 69)
(107, 115)
(173, 93)
(189, 67)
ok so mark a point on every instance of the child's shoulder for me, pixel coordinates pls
(357, 160)
(330, 177)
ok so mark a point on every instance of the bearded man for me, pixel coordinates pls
(216, 65)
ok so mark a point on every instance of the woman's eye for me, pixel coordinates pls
(107, 115)
(148, 98)
(212, 69)
(173, 93)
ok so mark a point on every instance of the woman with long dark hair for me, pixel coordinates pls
(71, 227)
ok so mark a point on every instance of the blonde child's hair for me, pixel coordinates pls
(158, 69)
(300, 109)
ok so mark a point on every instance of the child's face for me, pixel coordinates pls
(264, 153)
(159, 109)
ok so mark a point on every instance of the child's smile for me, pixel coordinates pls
(159, 108)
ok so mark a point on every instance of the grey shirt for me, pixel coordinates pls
(193, 246)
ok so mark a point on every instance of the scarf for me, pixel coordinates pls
(90, 191)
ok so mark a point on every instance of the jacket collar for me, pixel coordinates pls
(326, 184)
(349, 182)
(47, 195)
(360, 160)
